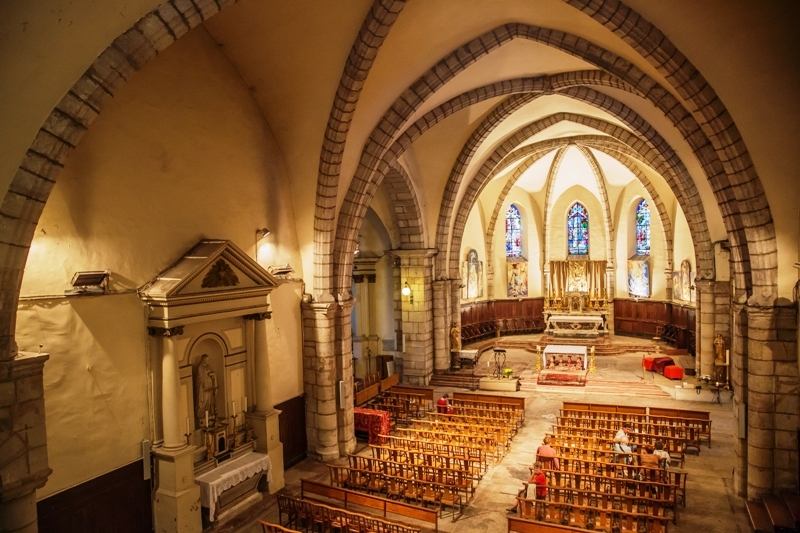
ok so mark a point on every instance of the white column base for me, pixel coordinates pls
(267, 432)
(176, 508)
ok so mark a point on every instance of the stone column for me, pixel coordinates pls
(319, 379)
(704, 360)
(177, 501)
(611, 291)
(416, 269)
(23, 441)
(264, 418)
(738, 370)
(343, 357)
(441, 324)
(772, 393)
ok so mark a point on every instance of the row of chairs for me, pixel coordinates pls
(517, 410)
(462, 464)
(676, 446)
(459, 479)
(313, 516)
(457, 451)
(413, 491)
(488, 445)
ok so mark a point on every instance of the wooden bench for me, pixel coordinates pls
(349, 497)
(759, 517)
(267, 527)
(520, 525)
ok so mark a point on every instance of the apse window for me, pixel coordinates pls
(578, 230)
(643, 228)
(513, 232)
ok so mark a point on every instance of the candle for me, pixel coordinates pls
(234, 407)
(245, 404)
(206, 419)
(727, 357)
(187, 425)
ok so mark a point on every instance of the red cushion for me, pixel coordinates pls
(673, 372)
(648, 363)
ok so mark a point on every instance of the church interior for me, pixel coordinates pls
(315, 265)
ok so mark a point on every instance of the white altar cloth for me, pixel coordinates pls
(563, 349)
(229, 474)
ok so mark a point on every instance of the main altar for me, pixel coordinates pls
(577, 301)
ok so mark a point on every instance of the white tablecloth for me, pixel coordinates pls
(563, 349)
(230, 474)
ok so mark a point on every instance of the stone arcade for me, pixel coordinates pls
(417, 164)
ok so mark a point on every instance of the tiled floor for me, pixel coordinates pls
(711, 504)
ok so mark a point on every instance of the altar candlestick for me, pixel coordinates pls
(727, 357)
(206, 419)
(245, 404)
(234, 406)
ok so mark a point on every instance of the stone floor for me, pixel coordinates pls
(711, 503)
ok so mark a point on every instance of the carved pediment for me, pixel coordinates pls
(211, 268)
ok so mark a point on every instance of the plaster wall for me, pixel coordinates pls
(474, 238)
(532, 243)
(95, 383)
(625, 242)
(683, 247)
(557, 239)
(285, 342)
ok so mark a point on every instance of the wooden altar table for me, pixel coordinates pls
(374, 422)
(566, 351)
(230, 474)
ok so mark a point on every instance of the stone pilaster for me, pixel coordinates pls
(442, 314)
(738, 377)
(416, 269)
(319, 379)
(668, 285)
(264, 418)
(772, 400)
(704, 360)
(23, 441)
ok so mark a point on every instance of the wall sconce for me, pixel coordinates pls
(260, 234)
(406, 291)
(357, 250)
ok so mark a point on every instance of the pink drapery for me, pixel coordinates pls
(594, 273)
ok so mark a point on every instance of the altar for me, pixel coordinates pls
(564, 357)
(233, 483)
(574, 325)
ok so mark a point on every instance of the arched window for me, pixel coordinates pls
(643, 228)
(513, 232)
(578, 230)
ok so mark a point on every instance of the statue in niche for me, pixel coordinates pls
(205, 390)
(719, 350)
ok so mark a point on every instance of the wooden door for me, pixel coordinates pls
(292, 423)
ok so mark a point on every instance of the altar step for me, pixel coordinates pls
(600, 386)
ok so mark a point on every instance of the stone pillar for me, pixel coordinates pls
(772, 394)
(738, 370)
(704, 360)
(319, 379)
(610, 292)
(343, 357)
(441, 324)
(264, 418)
(416, 269)
(177, 500)
(23, 441)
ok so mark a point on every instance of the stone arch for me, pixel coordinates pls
(536, 151)
(719, 128)
(359, 62)
(644, 149)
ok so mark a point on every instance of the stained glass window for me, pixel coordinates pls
(643, 228)
(578, 230)
(513, 232)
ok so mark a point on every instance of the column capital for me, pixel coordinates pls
(266, 315)
(407, 255)
(158, 331)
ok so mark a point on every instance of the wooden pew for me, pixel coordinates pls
(267, 527)
(601, 519)
(491, 398)
(520, 525)
(362, 396)
(349, 497)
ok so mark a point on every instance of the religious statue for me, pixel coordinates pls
(719, 350)
(455, 338)
(205, 390)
